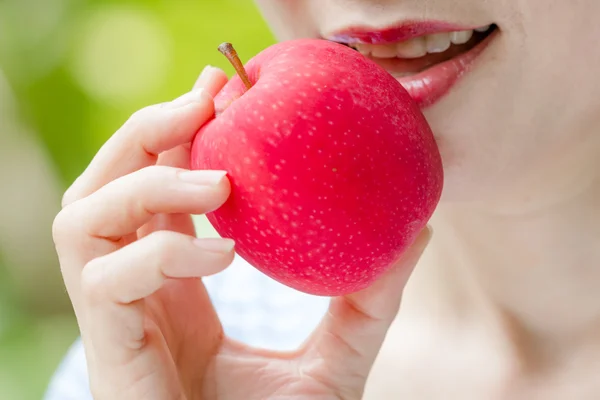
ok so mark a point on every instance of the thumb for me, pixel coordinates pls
(352, 332)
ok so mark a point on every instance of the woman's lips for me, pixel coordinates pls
(427, 78)
(435, 81)
(394, 34)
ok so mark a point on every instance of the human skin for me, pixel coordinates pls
(505, 302)
(147, 324)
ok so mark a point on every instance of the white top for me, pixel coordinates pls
(253, 309)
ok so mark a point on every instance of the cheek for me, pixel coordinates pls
(531, 108)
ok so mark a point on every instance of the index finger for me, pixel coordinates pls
(148, 133)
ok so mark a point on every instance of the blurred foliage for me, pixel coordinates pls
(78, 69)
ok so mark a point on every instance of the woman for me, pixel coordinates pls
(504, 303)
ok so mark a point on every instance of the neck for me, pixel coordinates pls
(534, 274)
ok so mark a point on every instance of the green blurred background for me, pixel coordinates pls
(71, 72)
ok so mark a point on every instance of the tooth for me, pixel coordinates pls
(364, 49)
(437, 43)
(387, 51)
(413, 48)
(483, 28)
(461, 37)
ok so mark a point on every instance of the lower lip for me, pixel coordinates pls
(429, 86)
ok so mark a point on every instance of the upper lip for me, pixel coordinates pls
(396, 33)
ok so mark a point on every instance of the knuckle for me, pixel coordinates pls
(69, 196)
(166, 245)
(63, 226)
(94, 281)
(142, 116)
(140, 121)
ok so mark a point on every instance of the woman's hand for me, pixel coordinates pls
(131, 264)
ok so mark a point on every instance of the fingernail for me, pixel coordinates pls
(205, 76)
(198, 95)
(202, 177)
(216, 245)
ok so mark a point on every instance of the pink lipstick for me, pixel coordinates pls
(427, 58)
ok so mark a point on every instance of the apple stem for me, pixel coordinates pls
(228, 51)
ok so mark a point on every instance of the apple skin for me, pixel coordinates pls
(334, 169)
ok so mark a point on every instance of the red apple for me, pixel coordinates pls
(334, 169)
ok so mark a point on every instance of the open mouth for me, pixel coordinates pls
(427, 59)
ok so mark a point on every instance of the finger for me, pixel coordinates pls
(91, 227)
(148, 133)
(131, 201)
(179, 157)
(212, 79)
(352, 332)
(114, 286)
(138, 270)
